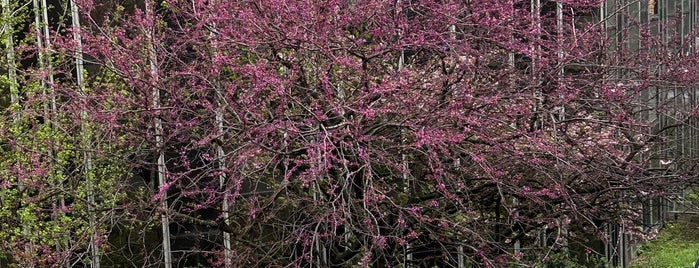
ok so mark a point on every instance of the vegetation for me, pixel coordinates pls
(335, 133)
(677, 245)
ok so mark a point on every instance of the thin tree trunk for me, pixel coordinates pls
(222, 180)
(49, 67)
(404, 157)
(222, 183)
(86, 142)
(40, 48)
(220, 155)
(406, 167)
(517, 247)
(43, 45)
(14, 101)
(153, 59)
(10, 55)
(559, 54)
(563, 231)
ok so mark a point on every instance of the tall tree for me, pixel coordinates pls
(86, 140)
(325, 132)
(221, 154)
(52, 215)
(374, 133)
(149, 27)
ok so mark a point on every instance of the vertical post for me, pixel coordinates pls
(158, 125)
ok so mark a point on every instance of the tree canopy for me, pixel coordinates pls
(337, 133)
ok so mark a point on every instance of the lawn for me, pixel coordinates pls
(677, 245)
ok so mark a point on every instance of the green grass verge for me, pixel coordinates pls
(677, 245)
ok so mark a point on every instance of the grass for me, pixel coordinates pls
(677, 245)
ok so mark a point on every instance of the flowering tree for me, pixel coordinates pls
(374, 133)
(50, 214)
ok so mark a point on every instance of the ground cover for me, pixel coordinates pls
(677, 245)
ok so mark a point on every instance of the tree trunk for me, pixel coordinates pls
(86, 142)
(10, 55)
(157, 122)
(220, 156)
(43, 42)
(14, 104)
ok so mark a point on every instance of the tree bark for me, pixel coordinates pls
(158, 125)
(94, 246)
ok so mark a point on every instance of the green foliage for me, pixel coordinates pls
(677, 245)
(5, 87)
(42, 159)
(692, 196)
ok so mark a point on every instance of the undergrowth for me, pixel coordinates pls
(677, 245)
